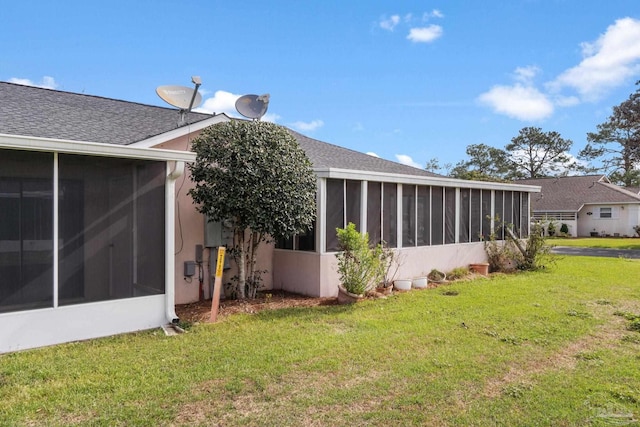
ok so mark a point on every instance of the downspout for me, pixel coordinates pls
(169, 240)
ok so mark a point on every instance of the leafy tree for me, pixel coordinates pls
(617, 142)
(535, 154)
(433, 165)
(254, 175)
(485, 163)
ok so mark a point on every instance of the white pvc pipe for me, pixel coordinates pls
(169, 239)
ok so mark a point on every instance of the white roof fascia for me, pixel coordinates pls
(611, 203)
(181, 131)
(420, 180)
(29, 143)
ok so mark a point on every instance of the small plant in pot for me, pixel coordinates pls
(358, 264)
(388, 266)
(436, 276)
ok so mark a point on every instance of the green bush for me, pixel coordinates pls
(358, 264)
(551, 229)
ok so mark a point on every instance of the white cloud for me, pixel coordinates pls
(425, 34)
(407, 160)
(47, 82)
(518, 101)
(566, 101)
(607, 63)
(221, 102)
(435, 13)
(526, 74)
(307, 126)
(225, 102)
(358, 127)
(372, 154)
(390, 23)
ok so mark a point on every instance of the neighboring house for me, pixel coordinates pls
(589, 205)
(98, 233)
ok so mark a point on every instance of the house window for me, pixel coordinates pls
(605, 213)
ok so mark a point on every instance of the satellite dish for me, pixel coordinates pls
(182, 97)
(253, 106)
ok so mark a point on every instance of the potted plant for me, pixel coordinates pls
(387, 268)
(358, 264)
(436, 276)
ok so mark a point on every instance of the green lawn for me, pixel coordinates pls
(553, 348)
(598, 242)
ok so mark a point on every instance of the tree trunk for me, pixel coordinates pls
(242, 276)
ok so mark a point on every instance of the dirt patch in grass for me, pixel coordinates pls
(271, 300)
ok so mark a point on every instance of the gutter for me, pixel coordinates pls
(169, 240)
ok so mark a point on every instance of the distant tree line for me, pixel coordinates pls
(534, 153)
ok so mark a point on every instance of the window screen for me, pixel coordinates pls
(424, 216)
(374, 212)
(389, 215)
(408, 215)
(334, 211)
(26, 230)
(437, 218)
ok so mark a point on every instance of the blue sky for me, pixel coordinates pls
(406, 80)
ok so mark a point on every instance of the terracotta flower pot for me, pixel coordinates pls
(480, 268)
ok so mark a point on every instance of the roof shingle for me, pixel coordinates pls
(570, 193)
(47, 113)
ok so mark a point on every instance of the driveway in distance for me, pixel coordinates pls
(614, 253)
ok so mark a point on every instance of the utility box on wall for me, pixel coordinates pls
(189, 268)
(212, 233)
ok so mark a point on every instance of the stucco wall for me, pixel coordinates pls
(189, 232)
(301, 272)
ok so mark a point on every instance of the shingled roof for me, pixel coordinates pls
(324, 155)
(48, 113)
(570, 193)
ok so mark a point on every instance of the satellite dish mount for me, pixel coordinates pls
(182, 97)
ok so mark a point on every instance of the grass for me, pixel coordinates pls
(552, 348)
(598, 242)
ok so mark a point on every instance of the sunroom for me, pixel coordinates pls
(86, 239)
(432, 222)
